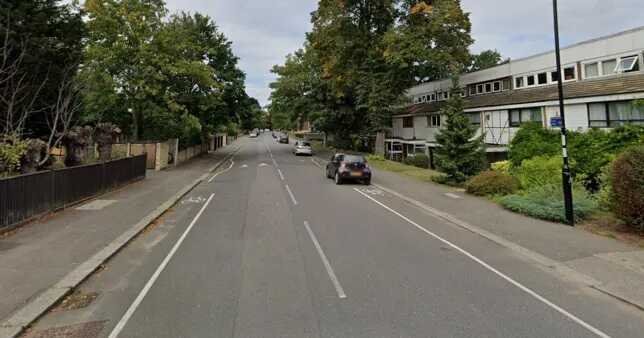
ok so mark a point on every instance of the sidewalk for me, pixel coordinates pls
(42, 253)
(612, 267)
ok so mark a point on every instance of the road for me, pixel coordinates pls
(271, 248)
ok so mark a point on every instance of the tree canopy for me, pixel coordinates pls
(361, 57)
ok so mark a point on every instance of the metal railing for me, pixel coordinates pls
(27, 196)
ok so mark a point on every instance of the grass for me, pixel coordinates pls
(420, 174)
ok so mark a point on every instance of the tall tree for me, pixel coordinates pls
(485, 59)
(461, 153)
(41, 44)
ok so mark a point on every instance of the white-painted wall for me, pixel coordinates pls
(576, 116)
(420, 127)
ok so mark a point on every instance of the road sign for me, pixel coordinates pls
(555, 122)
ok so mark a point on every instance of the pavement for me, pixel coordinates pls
(39, 261)
(268, 247)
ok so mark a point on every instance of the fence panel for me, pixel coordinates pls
(26, 196)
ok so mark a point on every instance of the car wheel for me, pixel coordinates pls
(337, 179)
(367, 182)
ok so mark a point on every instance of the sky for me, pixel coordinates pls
(264, 32)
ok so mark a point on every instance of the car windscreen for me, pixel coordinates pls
(353, 159)
(305, 144)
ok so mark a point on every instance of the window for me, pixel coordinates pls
(554, 76)
(507, 84)
(569, 73)
(591, 70)
(434, 121)
(408, 122)
(433, 97)
(520, 116)
(488, 87)
(518, 82)
(609, 67)
(614, 114)
(542, 78)
(497, 86)
(475, 119)
(472, 90)
(530, 80)
(628, 64)
(479, 89)
(597, 116)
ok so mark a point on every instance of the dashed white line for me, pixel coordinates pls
(316, 163)
(232, 163)
(290, 193)
(325, 261)
(492, 269)
(280, 173)
(451, 195)
(130, 311)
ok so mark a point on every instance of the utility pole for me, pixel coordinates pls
(567, 177)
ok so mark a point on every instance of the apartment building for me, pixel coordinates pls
(602, 78)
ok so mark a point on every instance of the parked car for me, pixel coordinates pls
(302, 148)
(283, 139)
(344, 167)
(253, 134)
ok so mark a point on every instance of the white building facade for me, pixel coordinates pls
(602, 78)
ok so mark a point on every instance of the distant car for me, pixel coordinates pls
(344, 167)
(302, 148)
(253, 134)
(283, 139)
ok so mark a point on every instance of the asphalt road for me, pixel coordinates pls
(271, 248)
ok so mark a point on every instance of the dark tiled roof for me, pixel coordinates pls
(625, 84)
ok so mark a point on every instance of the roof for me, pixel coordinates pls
(623, 84)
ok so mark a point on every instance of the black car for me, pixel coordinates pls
(344, 167)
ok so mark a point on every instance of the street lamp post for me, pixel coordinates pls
(567, 177)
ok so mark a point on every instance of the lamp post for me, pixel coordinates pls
(566, 176)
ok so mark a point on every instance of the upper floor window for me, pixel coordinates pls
(542, 78)
(520, 116)
(569, 73)
(628, 64)
(519, 82)
(607, 67)
(408, 122)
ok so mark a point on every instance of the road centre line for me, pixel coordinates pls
(130, 311)
(232, 163)
(290, 193)
(280, 173)
(325, 261)
(520, 286)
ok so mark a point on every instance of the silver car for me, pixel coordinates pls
(302, 148)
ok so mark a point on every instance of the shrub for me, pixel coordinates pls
(546, 203)
(502, 166)
(444, 179)
(533, 140)
(539, 171)
(12, 150)
(628, 187)
(418, 160)
(375, 158)
(492, 183)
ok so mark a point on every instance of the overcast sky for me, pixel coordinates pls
(263, 32)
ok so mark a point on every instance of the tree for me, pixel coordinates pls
(460, 153)
(41, 42)
(485, 59)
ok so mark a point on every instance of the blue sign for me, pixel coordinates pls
(555, 121)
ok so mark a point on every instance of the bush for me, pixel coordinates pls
(546, 203)
(418, 160)
(628, 187)
(492, 183)
(444, 179)
(539, 171)
(533, 140)
(375, 158)
(12, 150)
(502, 166)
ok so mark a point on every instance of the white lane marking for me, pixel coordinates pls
(275, 163)
(495, 271)
(263, 165)
(325, 261)
(281, 175)
(232, 163)
(244, 166)
(316, 163)
(130, 311)
(290, 193)
(454, 196)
